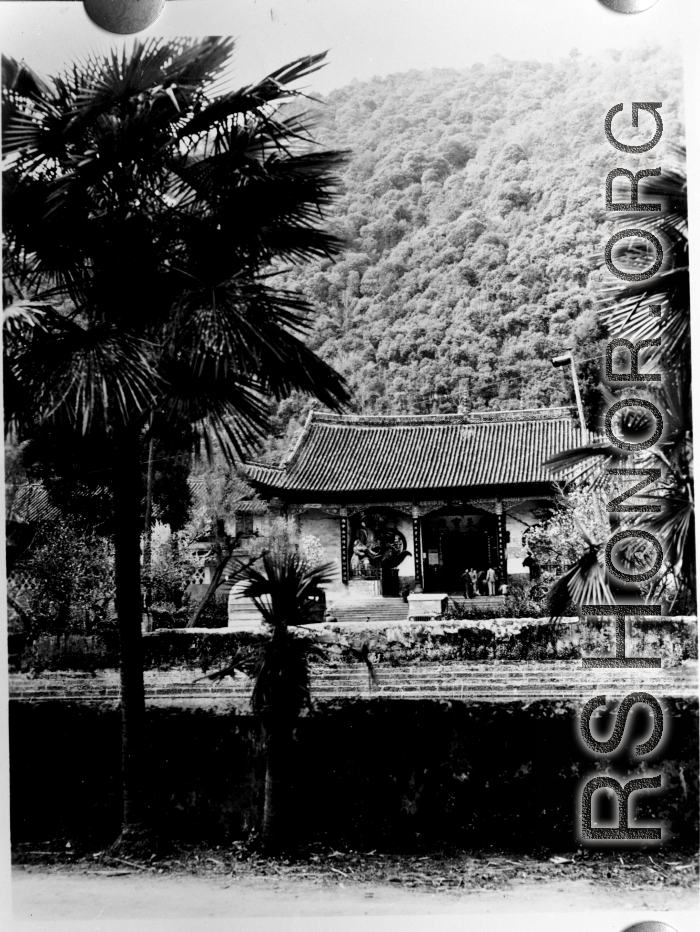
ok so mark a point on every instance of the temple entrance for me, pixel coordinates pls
(453, 543)
(390, 582)
(459, 551)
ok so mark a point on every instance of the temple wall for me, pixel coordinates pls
(515, 551)
(261, 524)
(516, 520)
(327, 529)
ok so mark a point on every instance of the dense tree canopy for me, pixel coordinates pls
(473, 207)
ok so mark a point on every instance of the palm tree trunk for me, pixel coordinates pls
(127, 565)
(148, 535)
(278, 747)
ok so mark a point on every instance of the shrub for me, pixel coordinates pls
(71, 569)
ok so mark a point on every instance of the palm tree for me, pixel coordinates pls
(628, 312)
(284, 591)
(146, 205)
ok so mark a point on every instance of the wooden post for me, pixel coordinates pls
(344, 556)
(417, 551)
(501, 537)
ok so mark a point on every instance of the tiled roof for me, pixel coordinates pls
(250, 507)
(339, 453)
(198, 488)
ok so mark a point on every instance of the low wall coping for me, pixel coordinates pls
(437, 624)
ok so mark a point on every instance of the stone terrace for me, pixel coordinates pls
(521, 660)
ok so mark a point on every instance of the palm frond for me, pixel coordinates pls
(283, 588)
(583, 584)
(241, 331)
(157, 204)
(626, 310)
(587, 463)
(76, 375)
(270, 89)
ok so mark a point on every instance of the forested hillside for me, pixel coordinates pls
(473, 206)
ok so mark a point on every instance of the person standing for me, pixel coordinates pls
(491, 580)
(531, 563)
(474, 576)
(468, 591)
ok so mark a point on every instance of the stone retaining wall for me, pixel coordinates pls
(469, 737)
(479, 660)
(673, 639)
(384, 773)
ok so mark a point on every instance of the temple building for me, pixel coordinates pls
(411, 502)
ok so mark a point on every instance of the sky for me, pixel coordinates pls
(364, 37)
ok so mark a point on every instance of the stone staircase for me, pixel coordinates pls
(467, 681)
(502, 681)
(381, 609)
(242, 614)
(394, 610)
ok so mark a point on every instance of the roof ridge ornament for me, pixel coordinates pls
(296, 446)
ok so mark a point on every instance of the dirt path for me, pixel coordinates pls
(39, 894)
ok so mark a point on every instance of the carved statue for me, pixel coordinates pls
(360, 554)
(376, 544)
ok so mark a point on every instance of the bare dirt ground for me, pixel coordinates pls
(57, 883)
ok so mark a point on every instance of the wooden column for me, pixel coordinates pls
(501, 538)
(417, 551)
(344, 555)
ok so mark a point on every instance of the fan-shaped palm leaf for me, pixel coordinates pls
(583, 584)
(629, 313)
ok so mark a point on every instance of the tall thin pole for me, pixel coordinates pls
(562, 360)
(579, 403)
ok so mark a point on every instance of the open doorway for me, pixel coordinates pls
(454, 543)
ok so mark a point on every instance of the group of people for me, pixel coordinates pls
(481, 582)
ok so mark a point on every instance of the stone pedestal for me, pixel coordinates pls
(427, 603)
(363, 589)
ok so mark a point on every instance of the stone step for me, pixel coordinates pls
(395, 609)
(399, 673)
(371, 606)
(380, 614)
(357, 607)
(466, 681)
